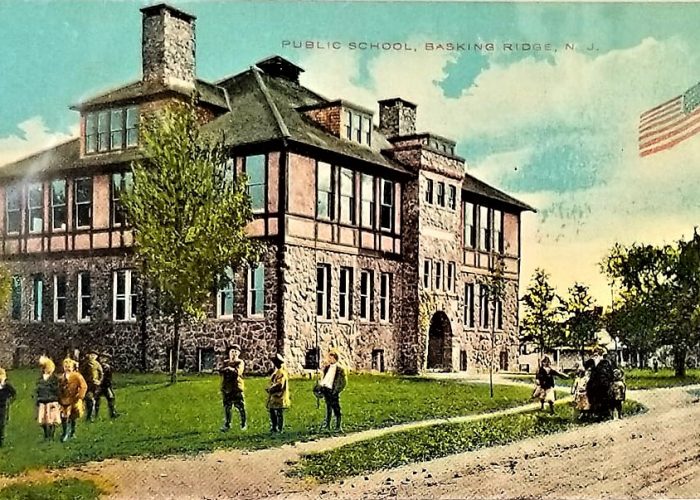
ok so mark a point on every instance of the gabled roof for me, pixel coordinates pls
(138, 91)
(475, 186)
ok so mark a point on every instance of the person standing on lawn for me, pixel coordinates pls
(278, 394)
(106, 388)
(49, 411)
(232, 387)
(619, 390)
(71, 392)
(92, 373)
(545, 380)
(7, 395)
(599, 387)
(334, 380)
(578, 389)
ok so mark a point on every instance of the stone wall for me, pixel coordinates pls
(168, 49)
(355, 338)
(397, 117)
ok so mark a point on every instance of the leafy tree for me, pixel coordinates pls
(189, 214)
(541, 308)
(5, 286)
(635, 322)
(583, 318)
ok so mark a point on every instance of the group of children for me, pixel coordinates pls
(61, 399)
(614, 391)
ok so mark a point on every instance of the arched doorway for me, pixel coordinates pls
(439, 342)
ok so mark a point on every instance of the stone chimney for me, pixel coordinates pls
(397, 117)
(168, 47)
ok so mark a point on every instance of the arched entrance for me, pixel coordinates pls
(439, 342)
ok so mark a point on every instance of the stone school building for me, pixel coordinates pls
(378, 239)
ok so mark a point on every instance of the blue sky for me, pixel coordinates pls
(557, 129)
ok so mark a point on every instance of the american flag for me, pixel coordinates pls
(667, 124)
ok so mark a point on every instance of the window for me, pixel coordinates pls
(385, 297)
(121, 181)
(450, 276)
(483, 306)
(323, 291)
(366, 295)
(498, 231)
(58, 205)
(103, 131)
(452, 197)
(13, 206)
(205, 361)
(345, 293)
(358, 127)
(325, 192)
(469, 305)
(132, 126)
(441, 194)
(378, 360)
(59, 298)
(368, 201)
(124, 296)
(37, 298)
(311, 359)
(83, 202)
(35, 208)
(469, 226)
(427, 273)
(438, 275)
(111, 129)
(256, 283)
(429, 191)
(499, 314)
(386, 213)
(84, 296)
(16, 297)
(91, 133)
(484, 233)
(347, 196)
(255, 171)
(224, 295)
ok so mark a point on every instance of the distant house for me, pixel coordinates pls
(360, 220)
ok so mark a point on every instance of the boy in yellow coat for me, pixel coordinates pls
(71, 392)
(278, 394)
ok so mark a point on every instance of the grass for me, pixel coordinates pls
(63, 489)
(428, 443)
(160, 419)
(635, 378)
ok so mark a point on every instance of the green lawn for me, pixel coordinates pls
(160, 419)
(63, 489)
(428, 443)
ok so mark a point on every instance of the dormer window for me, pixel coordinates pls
(111, 129)
(358, 127)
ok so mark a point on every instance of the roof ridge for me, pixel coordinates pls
(270, 102)
(40, 152)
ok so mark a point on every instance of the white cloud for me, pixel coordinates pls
(34, 136)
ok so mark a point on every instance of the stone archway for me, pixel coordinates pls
(439, 342)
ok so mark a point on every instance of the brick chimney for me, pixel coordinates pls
(397, 117)
(168, 47)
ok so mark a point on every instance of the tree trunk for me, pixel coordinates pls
(493, 348)
(679, 355)
(175, 349)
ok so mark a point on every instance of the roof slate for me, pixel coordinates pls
(473, 185)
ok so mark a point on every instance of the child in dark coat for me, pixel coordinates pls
(7, 394)
(48, 409)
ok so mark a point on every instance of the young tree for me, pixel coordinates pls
(541, 308)
(189, 214)
(496, 291)
(583, 318)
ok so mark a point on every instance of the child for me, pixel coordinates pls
(619, 390)
(92, 373)
(578, 389)
(7, 394)
(278, 394)
(545, 379)
(49, 411)
(232, 388)
(71, 391)
(106, 388)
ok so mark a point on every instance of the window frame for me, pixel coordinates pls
(497, 232)
(349, 217)
(37, 312)
(55, 206)
(77, 203)
(430, 191)
(427, 274)
(227, 289)
(328, 193)
(81, 317)
(484, 307)
(452, 197)
(389, 206)
(256, 185)
(450, 276)
(469, 305)
(385, 309)
(252, 293)
(484, 242)
(111, 129)
(438, 270)
(57, 298)
(345, 295)
(35, 187)
(126, 180)
(440, 197)
(366, 295)
(469, 229)
(371, 202)
(15, 189)
(128, 296)
(323, 291)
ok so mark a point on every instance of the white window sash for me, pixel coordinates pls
(127, 297)
(81, 296)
